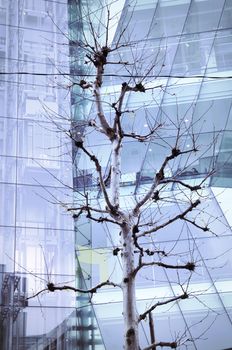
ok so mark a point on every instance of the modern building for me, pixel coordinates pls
(38, 244)
(36, 235)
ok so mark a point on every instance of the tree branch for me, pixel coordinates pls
(182, 183)
(102, 219)
(172, 345)
(142, 138)
(159, 177)
(94, 159)
(51, 287)
(179, 216)
(188, 266)
(160, 303)
(87, 208)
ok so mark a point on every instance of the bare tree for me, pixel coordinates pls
(137, 70)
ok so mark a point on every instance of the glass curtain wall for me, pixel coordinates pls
(193, 41)
(90, 336)
(36, 233)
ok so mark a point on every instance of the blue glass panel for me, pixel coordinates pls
(192, 54)
(209, 329)
(222, 177)
(211, 114)
(7, 169)
(203, 15)
(8, 136)
(45, 251)
(38, 206)
(8, 197)
(226, 18)
(45, 171)
(221, 56)
(217, 256)
(169, 19)
(137, 20)
(7, 240)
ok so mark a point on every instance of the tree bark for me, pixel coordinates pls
(152, 330)
(131, 336)
(115, 172)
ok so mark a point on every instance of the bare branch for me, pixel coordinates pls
(143, 138)
(182, 183)
(170, 221)
(188, 266)
(51, 287)
(160, 303)
(94, 159)
(172, 345)
(88, 208)
(159, 176)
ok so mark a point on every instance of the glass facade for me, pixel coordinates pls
(191, 41)
(39, 242)
(36, 234)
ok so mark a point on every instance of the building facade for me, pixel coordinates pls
(36, 236)
(38, 244)
(192, 43)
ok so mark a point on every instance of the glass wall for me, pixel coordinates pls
(36, 233)
(190, 43)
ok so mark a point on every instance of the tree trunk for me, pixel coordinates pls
(131, 336)
(115, 172)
